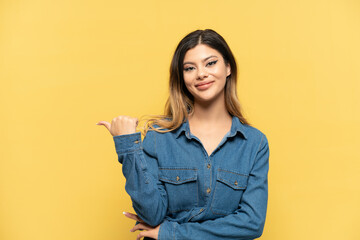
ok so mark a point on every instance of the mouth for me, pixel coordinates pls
(204, 85)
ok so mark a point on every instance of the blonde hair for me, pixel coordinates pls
(180, 102)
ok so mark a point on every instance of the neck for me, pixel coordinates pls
(210, 112)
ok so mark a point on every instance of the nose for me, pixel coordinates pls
(202, 73)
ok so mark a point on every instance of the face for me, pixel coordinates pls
(205, 73)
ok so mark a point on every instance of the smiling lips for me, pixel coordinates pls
(204, 85)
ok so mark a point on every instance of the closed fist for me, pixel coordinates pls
(121, 125)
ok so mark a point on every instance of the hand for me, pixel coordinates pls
(151, 232)
(121, 125)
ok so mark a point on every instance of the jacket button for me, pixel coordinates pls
(177, 178)
(209, 166)
(236, 183)
(208, 190)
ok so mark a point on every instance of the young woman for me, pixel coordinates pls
(201, 170)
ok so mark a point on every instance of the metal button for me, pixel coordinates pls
(209, 166)
(208, 190)
(177, 178)
(137, 141)
(236, 183)
(201, 209)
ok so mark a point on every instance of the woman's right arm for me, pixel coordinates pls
(140, 168)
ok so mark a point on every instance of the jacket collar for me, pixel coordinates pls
(236, 126)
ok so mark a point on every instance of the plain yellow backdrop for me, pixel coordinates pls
(65, 65)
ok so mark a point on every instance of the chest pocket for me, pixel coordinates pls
(229, 189)
(181, 187)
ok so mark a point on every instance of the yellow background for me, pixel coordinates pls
(65, 65)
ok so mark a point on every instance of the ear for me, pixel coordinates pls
(228, 70)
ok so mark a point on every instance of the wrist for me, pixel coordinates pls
(127, 142)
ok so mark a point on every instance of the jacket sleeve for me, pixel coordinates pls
(247, 222)
(140, 168)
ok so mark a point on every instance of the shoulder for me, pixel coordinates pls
(258, 144)
(159, 131)
(255, 135)
(155, 139)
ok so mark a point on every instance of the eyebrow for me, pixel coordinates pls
(202, 60)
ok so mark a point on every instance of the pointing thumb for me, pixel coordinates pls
(106, 124)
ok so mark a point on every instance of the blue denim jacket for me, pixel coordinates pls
(173, 181)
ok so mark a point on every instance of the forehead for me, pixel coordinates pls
(200, 52)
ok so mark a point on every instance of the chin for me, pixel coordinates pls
(205, 99)
(209, 97)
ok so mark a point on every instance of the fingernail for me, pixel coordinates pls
(124, 213)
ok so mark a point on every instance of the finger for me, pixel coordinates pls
(140, 226)
(140, 235)
(149, 234)
(106, 124)
(133, 216)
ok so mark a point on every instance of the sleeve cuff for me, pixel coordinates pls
(167, 230)
(127, 142)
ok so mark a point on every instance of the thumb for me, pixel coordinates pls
(106, 124)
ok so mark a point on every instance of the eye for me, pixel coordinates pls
(212, 63)
(188, 69)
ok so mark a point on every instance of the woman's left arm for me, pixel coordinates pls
(247, 222)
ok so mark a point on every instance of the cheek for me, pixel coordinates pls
(188, 85)
(187, 79)
(219, 72)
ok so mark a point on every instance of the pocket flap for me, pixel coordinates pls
(232, 179)
(177, 175)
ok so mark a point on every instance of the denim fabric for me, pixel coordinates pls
(173, 181)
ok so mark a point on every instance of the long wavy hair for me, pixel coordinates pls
(180, 102)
